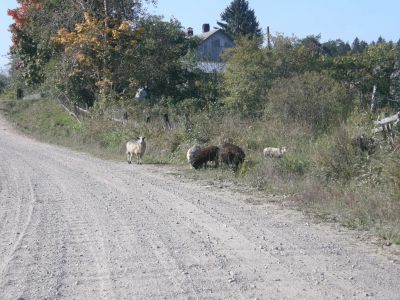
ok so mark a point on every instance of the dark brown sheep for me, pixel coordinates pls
(231, 155)
(205, 155)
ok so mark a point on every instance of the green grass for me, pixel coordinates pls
(323, 175)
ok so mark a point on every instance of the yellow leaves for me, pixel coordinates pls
(80, 57)
(94, 33)
(97, 46)
(60, 39)
(89, 19)
(115, 34)
(124, 27)
(79, 27)
(106, 83)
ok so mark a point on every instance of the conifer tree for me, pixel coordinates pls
(239, 20)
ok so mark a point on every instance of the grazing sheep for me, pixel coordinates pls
(274, 152)
(137, 147)
(231, 155)
(191, 153)
(205, 155)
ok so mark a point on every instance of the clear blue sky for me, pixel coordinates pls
(344, 19)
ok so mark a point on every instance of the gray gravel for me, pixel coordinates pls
(76, 227)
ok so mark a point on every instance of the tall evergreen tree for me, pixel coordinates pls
(380, 40)
(356, 47)
(363, 45)
(239, 20)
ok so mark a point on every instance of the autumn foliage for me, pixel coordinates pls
(21, 16)
(96, 50)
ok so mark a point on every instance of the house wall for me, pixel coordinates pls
(211, 48)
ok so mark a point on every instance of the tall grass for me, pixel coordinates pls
(322, 173)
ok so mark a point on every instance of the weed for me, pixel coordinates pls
(325, 173)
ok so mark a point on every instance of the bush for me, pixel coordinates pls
(311, 99)
(336, 157)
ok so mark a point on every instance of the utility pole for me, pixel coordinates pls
(268, 39)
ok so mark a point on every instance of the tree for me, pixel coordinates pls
(4, 80)
(127, 10)
(312, 44)
(25, 47)
(159, 64)
(246, 77)
(96, 53)
(358, 46)
(336, 47)
(36, 21)
(375, 66)
(380, 40)
(239, 20)
(292, 55)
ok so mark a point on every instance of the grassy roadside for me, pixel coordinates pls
(324, 176)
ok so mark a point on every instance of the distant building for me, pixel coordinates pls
(213, 43)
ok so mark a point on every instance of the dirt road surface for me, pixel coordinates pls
(76, 227)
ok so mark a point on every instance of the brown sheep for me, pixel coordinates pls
(231, 155)
(205, 155)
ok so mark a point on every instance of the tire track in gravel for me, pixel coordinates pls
(153, 239)
(15, 223)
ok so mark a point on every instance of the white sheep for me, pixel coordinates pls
(274, 152)
(137, 147)
(195, 149)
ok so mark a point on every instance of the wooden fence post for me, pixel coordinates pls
(165, 121)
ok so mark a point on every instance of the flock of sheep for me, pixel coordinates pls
(227, 154)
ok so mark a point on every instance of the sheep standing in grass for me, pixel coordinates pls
(137, 147)
(191, 153)
(205, 155)
(274, 152)
(231, 155)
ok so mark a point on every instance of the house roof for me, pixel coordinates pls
(207, 34)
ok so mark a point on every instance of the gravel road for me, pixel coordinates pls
(76, 227)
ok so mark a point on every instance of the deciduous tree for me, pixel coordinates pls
(247, 76)
(97, 50)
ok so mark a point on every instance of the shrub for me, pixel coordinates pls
(336, 157)
(312, 99)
